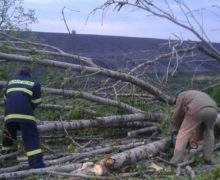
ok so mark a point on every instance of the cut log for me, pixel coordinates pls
(130, 156)
(101, 121)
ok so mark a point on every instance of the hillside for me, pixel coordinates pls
(125, 52)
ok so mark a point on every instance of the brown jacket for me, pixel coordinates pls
(189, 103)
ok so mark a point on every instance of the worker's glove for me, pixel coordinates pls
(173, 139)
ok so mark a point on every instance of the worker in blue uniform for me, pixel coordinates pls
(21, 97)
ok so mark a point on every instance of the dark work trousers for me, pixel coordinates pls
(30, 138)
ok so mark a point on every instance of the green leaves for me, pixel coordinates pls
(13, 16)
(215, 94)
(213, 174)
(3, 74)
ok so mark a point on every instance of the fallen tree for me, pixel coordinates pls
(116, 161)
(87, 96)
(145, 85)
(75, 156)
(44, 125)
(29, 54)
(117, 120)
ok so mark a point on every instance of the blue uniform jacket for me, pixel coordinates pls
(21, 97)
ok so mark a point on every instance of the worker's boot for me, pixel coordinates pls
(36, 161)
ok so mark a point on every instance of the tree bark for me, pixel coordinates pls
(130, 156)
(142, 131)
(100, 121)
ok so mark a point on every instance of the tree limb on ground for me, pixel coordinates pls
(101, 121)
(116, 161)
(86, 96)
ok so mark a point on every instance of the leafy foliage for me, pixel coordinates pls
(213, 174)
(215, 93)
(14, 16)
(3, 74)
(165, 124)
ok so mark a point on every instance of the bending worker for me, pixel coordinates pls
(192, 110)
(21, 97)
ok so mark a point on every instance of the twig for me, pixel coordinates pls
(130, 174)
(48, 149)
(178, 171)
(69, 137)
(211, 86)
(185, 163)
(190, 172)
(165, 161)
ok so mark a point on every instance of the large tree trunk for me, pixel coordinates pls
(87, 96)
(100, 121)
(146, 85)
(91, 97)
(130, 156)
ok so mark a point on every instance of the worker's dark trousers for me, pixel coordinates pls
(30, 138)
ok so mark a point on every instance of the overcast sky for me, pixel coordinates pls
(127, 22)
